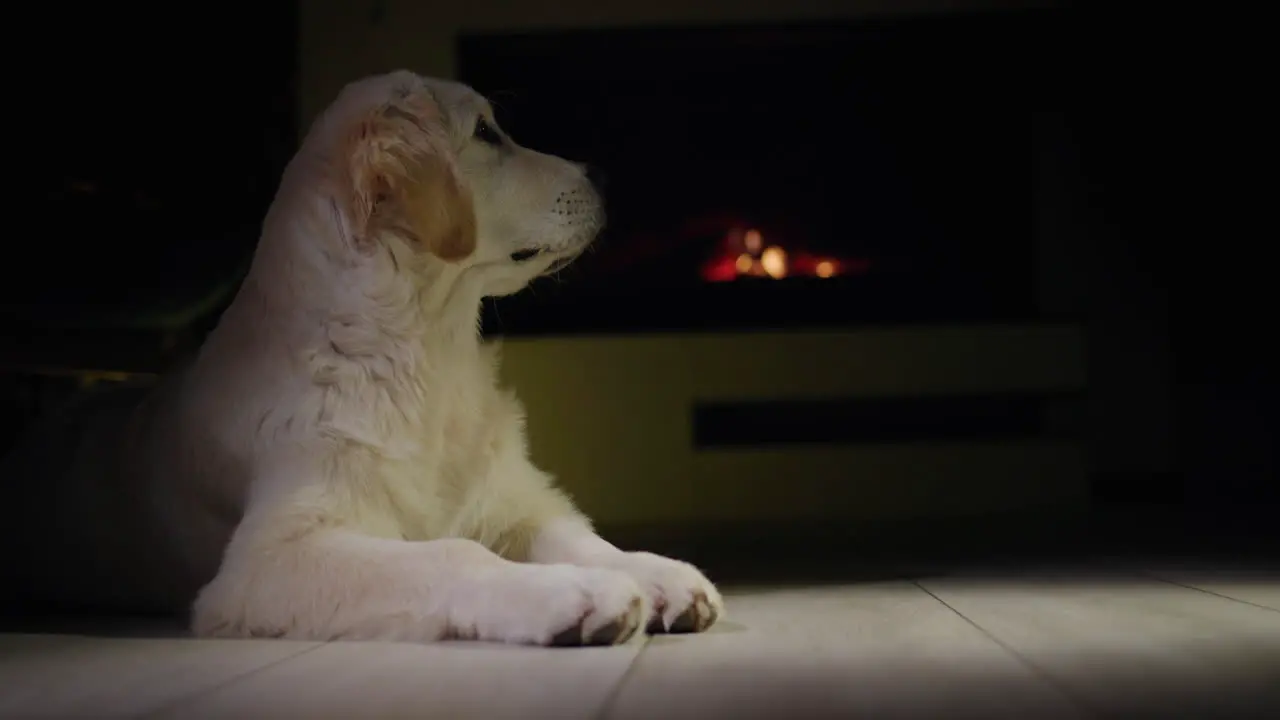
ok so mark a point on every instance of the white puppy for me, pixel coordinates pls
(338, 461)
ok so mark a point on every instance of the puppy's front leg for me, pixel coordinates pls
(310, 580)
(683, 599)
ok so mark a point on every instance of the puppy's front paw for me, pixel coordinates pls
(683, 599)
(560, 605)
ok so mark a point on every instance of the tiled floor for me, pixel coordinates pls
(1161, 643)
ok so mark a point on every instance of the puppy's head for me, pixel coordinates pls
(424, 161)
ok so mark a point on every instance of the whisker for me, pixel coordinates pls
(495, 101)
(493, 302)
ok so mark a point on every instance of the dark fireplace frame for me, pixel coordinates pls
(510, 68)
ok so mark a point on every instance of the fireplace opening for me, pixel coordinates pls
(787, 177)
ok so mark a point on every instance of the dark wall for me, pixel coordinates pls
(1174, 149)
(154, 136)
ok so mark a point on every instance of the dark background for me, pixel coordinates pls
(908, 143)
(148, 144)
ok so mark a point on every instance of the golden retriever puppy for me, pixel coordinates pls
(338, 460)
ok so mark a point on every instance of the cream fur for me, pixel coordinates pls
(339, 461)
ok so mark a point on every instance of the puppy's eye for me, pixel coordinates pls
(522, 255)
(485, 133)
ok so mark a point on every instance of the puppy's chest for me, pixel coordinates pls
(431, 436)
(446, 467)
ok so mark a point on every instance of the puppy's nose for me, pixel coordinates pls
(596, 177)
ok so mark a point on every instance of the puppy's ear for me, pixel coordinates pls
(432, 206)
(401, 180)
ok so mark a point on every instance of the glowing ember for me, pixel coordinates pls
(742, 253)
(774, 261)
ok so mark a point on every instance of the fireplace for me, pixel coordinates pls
(788, 177)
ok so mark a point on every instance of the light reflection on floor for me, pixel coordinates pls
(1151, 643)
